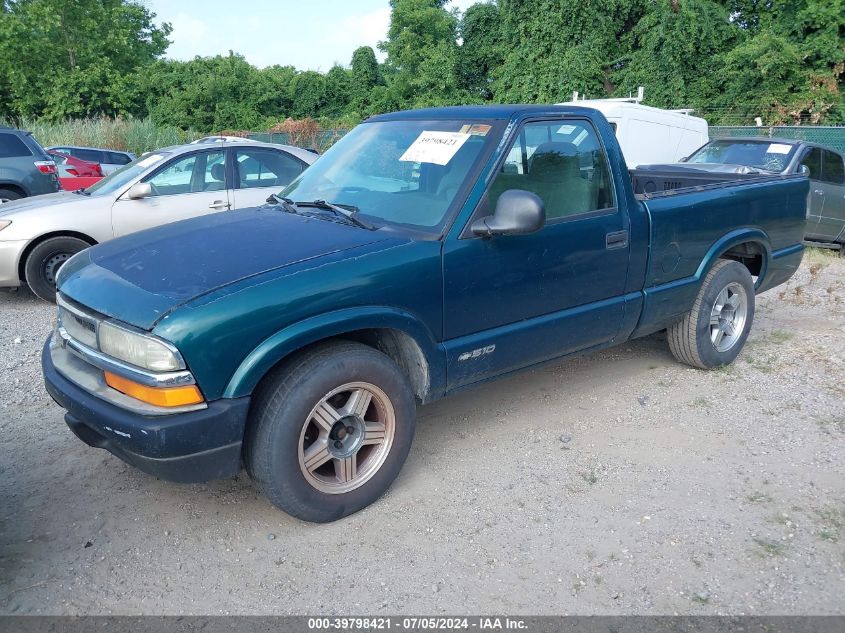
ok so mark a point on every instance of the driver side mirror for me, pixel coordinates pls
(140, 190)
(518, 212)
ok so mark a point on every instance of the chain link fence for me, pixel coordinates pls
(823, 135)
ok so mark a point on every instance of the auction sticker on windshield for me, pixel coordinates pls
(779, 148)
(434, 147)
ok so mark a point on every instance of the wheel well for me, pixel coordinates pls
(47, 236)
(750, 254)
(396, 344)
(404, 351)
(15, 188)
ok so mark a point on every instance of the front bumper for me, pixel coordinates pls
(10, 257)
(185, 447)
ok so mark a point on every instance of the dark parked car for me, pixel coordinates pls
(109, 159)
(741, 158)
(25, 168)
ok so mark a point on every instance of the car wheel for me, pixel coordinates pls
(329, 431)
(43, 264)
(714, 331)
(7, 195)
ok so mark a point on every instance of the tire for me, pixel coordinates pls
(7, 195)
(307, 426)
(713, 333)
(43, 263)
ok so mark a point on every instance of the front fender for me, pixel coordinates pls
(331, 324)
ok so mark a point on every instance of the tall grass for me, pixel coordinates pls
(129, 134)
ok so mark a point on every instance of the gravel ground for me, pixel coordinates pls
(616, 483)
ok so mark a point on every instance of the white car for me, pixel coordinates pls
(38, 234)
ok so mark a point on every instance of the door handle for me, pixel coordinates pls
(218, 204)
(617, 239)
(818, 192)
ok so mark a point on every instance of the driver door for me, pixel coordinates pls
(188, 186)
(512, 301)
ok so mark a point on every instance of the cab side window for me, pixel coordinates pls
(266, 168)
(813, 161)
(193, 173)
(833, 168)
(564, 163)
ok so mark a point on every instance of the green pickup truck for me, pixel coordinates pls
(424, 253)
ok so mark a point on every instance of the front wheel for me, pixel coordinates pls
(43, 264)
(330, 431)
(713, 333)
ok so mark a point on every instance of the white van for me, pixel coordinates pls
(650, 135)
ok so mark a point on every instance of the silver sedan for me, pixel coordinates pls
(38, 234)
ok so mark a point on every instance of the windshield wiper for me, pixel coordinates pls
(82, 192)
(287, 203)
(350, 213)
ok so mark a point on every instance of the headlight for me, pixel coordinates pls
(138, 349)
(4, 224)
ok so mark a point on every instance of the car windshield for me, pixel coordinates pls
(404, 173)
(126, 174)
(768, 155)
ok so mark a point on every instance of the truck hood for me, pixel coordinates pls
(140, 278)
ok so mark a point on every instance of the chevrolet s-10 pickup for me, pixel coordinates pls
(425, 252)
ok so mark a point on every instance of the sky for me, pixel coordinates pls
(306, 34)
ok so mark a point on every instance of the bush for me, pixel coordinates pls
(128, 134)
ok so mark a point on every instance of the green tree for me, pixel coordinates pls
(308, 93)
(366, 75)
(555, 47)
(275, 101)
(339, 91)
(798, 43)
(422, 53)
(481, 50)
(206, 93)
(673, 47)
(72, 57)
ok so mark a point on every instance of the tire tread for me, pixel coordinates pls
(682, 335)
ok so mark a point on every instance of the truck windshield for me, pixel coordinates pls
(768, 155)
(404, 173)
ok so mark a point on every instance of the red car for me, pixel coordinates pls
(75, 173)
(74, 167)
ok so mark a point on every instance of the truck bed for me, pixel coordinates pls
(656, 180)
(689, 225)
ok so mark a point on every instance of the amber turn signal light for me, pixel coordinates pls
(158, 396)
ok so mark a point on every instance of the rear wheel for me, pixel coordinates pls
(44, 261)
(330, 431)
(713, 333)
(7, 195)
